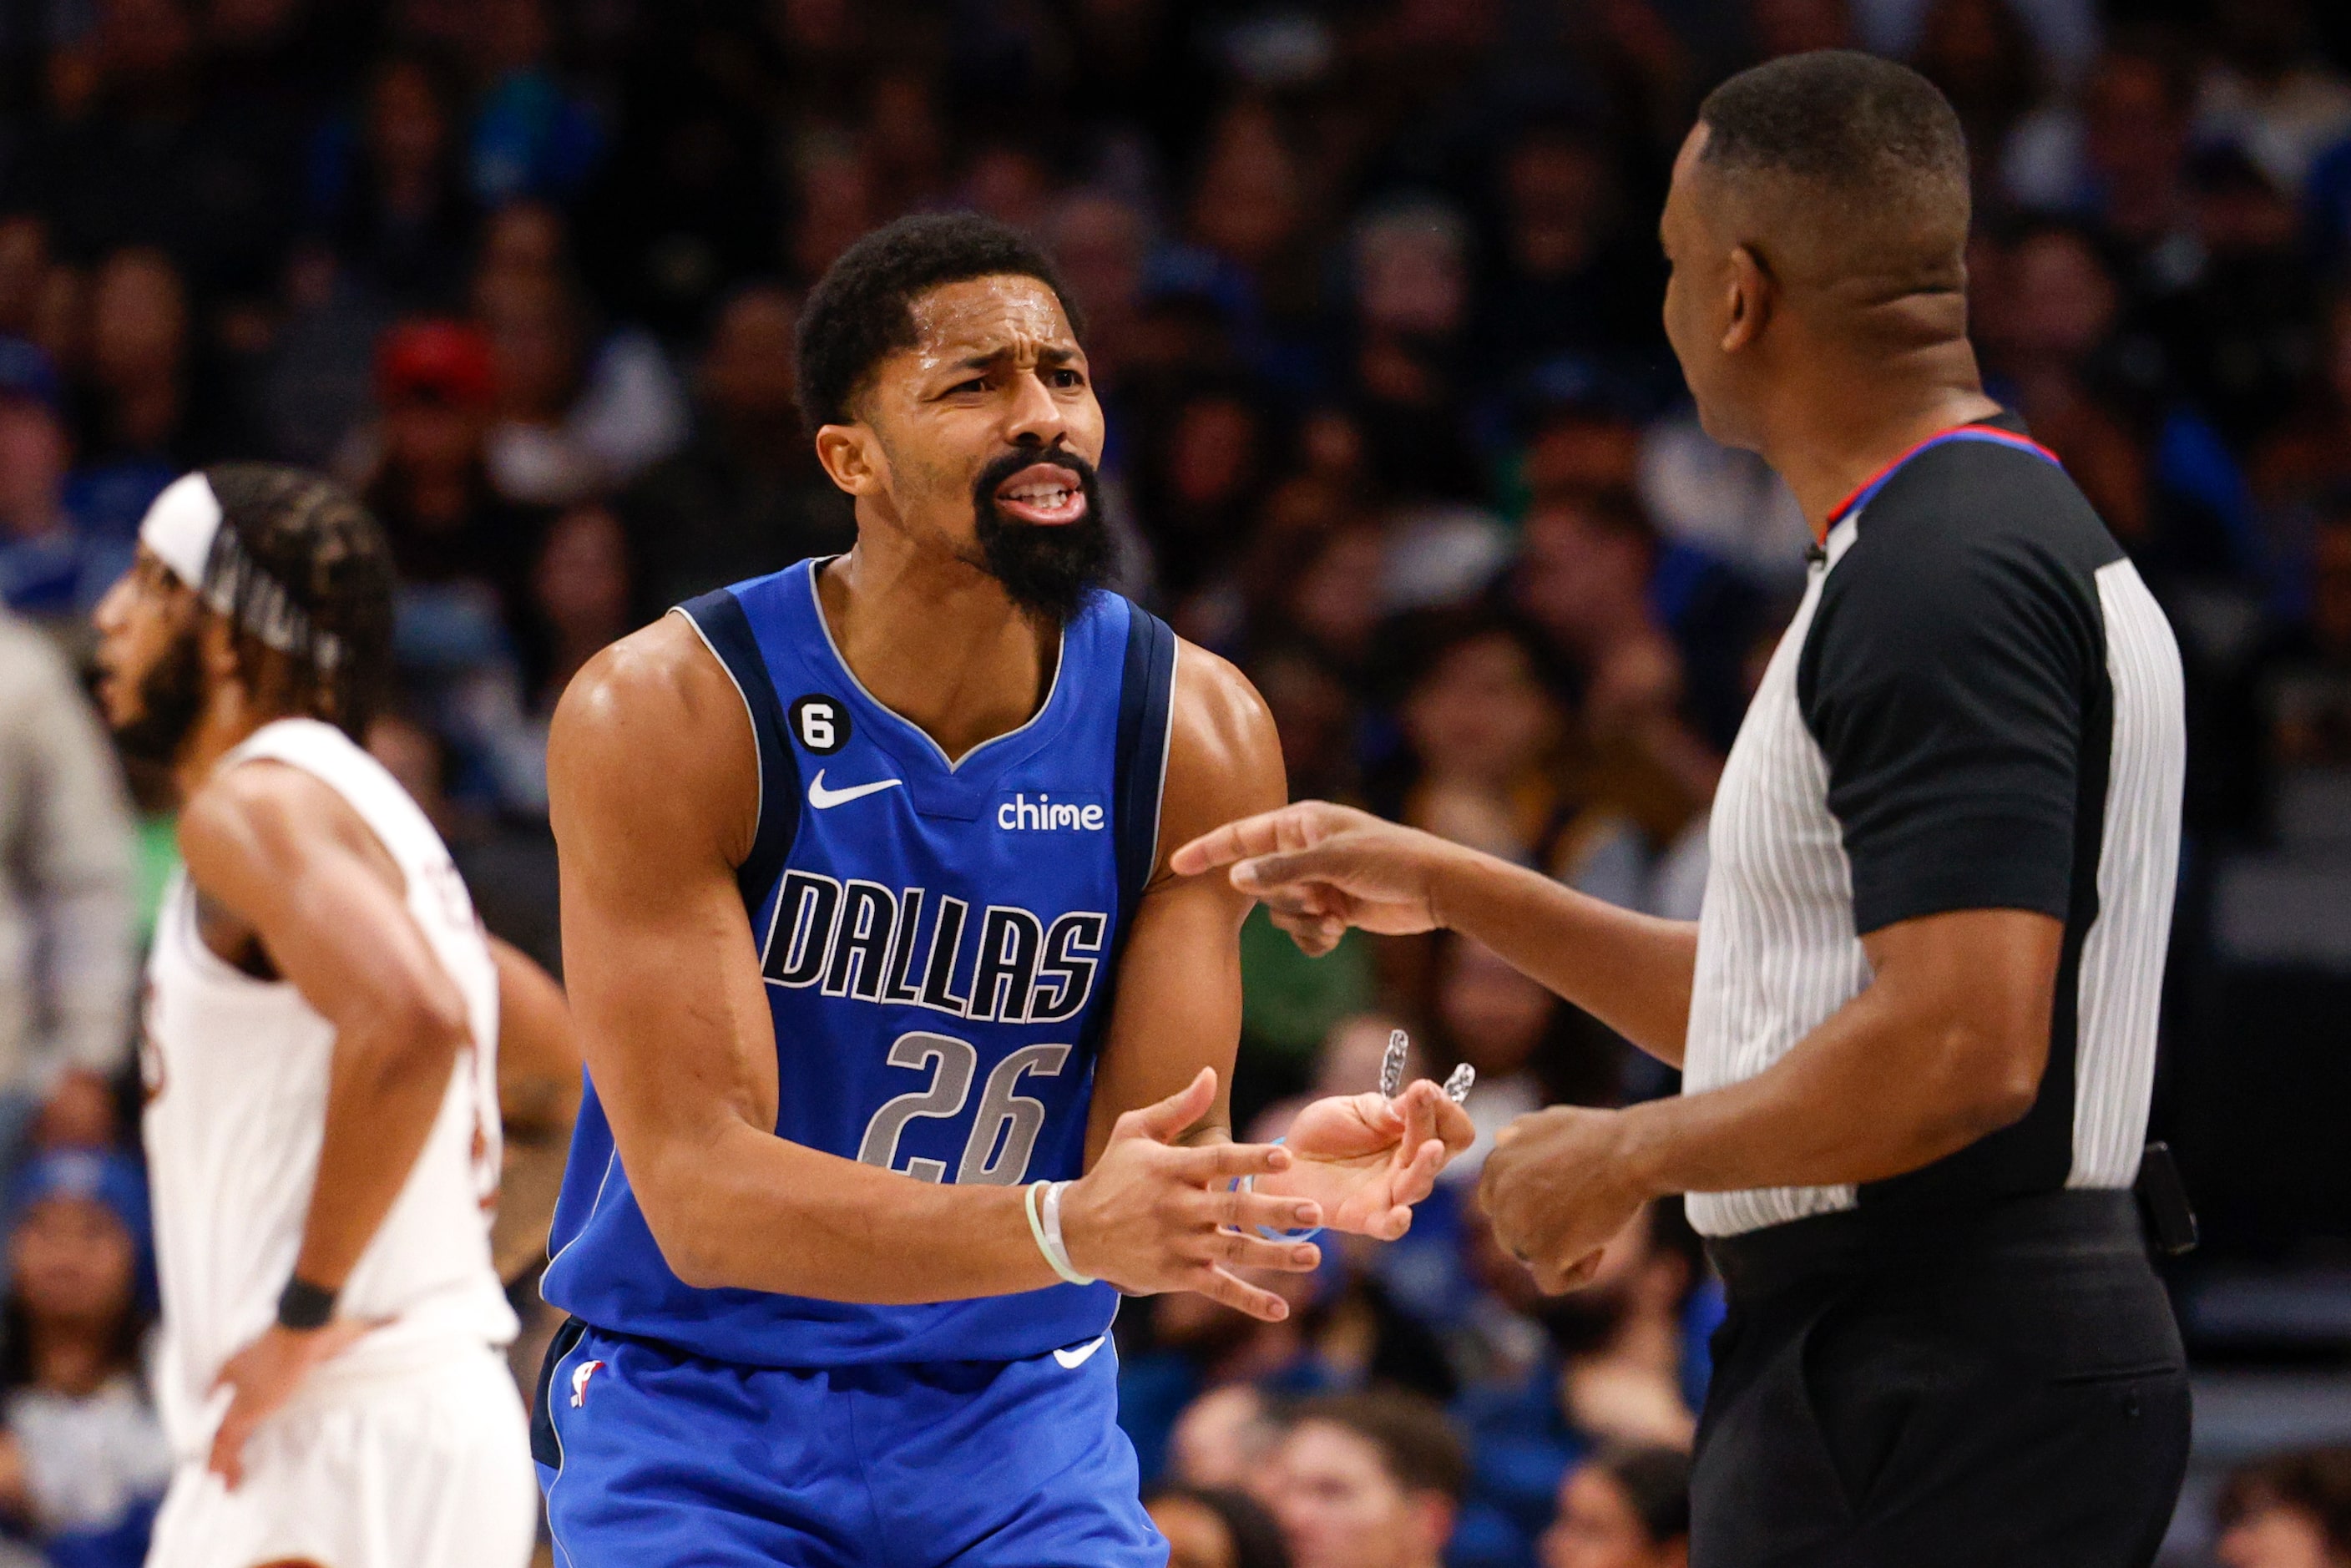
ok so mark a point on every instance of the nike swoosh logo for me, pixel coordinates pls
(1074, 1359)
(825, 799)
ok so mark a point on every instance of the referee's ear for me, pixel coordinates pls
(1754, 295)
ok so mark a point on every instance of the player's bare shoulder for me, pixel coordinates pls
(1224, 754)
(652, 737)
(258, 824)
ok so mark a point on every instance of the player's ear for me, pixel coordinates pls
(1750, 295)
(852, 458)
(216, 645)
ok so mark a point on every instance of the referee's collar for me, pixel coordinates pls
(1994, 430)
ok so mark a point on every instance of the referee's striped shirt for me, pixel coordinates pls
(1977, 707)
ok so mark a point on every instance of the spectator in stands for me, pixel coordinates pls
(530, 136)
(581, 408)
(1405, 372)
(1216, 1528)
(1198, 484)
(1622, 1508)
(140, 423)
(2290, 1511)
(388, 189)
(745, 496)
(50, 564)
(83, 1461)
(1487, 736)
(1369, 1480)
(1223, 1439)
(1621, 1364)
(1571, 276)
(1530, 1050)
(581, 597)
(66, 943)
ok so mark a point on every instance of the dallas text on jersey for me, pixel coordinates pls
(860, 939)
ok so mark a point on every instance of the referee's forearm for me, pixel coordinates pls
(1630, 971)
(1876, 1092)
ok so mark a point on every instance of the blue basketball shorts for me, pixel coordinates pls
(649, 1455)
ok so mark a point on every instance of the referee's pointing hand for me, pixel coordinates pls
(1320, 868)
(1558, 1190)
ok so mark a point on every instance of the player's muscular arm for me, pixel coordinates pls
(653, 793)
(1364, 1159)
(281, 854)
(1322, 868)
(1179, 982)
(538, 1096)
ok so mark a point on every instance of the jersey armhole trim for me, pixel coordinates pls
(1147, 716)
(719, 620)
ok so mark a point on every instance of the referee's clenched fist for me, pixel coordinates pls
(1917, 1016)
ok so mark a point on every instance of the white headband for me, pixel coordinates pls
(182, 530)
(180, 526)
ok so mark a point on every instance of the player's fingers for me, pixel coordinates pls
(1220, 1163)
(1237, 1250)
(1173, 1114)
(1219, 1286)
(1235, 1210)
(1417, 1107)
(228, 1448)
(1418, 1177)
(1453, 1125)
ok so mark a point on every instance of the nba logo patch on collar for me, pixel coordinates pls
(580, 1376)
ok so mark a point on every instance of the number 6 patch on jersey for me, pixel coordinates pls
(820, 724)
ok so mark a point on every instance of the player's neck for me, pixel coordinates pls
(937, 640)
(1830, 438)
(229, 719)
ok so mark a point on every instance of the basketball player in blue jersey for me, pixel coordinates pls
(907, 1053)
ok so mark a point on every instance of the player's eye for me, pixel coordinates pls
(1067, 380)
(976, 384)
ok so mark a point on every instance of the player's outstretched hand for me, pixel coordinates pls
(1367, 1159)
(263, 1376)
(1155, 1214)
(1320, 868)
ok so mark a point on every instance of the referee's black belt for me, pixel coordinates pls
(1898, 1237)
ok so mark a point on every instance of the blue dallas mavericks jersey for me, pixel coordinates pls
(939, 944)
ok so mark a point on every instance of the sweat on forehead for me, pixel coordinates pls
(864, 307)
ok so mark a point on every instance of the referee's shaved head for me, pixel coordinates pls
(1817, 225)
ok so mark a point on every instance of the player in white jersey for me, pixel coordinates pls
(323, 1026)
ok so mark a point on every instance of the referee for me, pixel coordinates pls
(1917, 1017)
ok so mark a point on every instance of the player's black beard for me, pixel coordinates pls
(171, 700)
(1047, 569)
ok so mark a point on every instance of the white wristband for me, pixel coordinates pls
(1058, 1253)
(1045, 1224)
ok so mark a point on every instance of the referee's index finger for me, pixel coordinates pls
(1261, 834)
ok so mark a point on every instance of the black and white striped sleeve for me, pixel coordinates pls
(1948, 679)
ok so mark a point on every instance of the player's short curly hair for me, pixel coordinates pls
(860, 311)
(310, 539)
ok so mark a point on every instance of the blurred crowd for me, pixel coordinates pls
(1371, 294)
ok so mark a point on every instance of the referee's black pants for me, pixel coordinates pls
(2000, 1390)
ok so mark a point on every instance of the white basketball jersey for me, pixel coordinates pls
(236, 1074)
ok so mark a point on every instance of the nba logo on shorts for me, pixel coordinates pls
(580, 1376)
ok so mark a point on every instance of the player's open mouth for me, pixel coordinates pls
(1042, 493)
